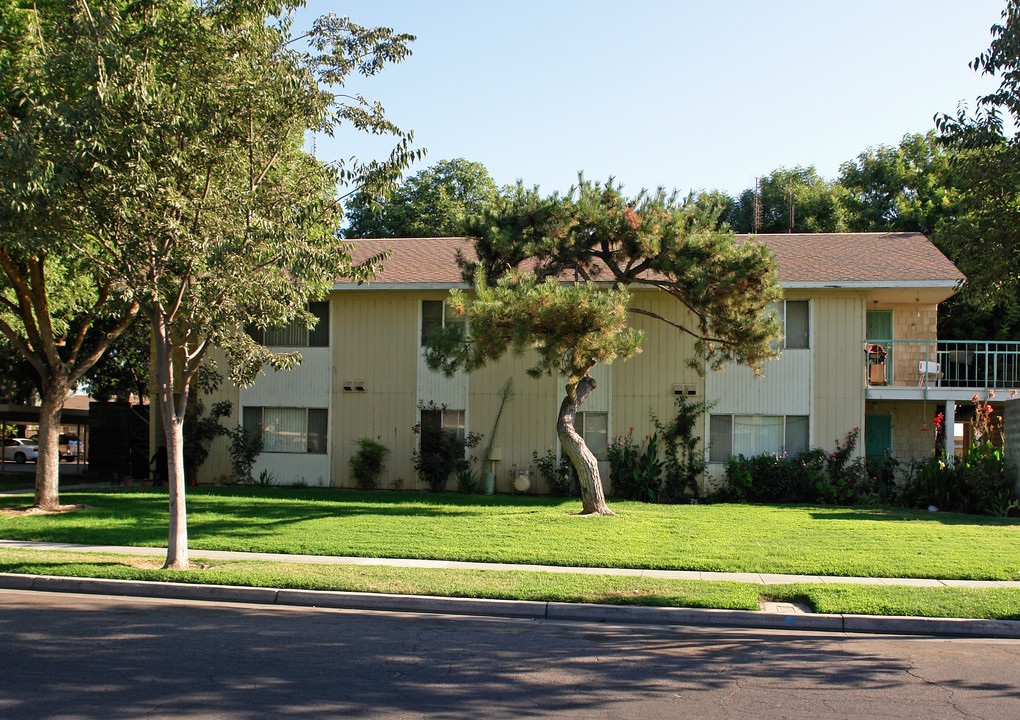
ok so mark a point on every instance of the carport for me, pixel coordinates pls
(29, 415)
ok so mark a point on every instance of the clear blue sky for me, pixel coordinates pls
(684, 94)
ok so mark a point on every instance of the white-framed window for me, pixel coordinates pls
(453, 420)
(296, 334)
(750, 435)
(795, 318)
(288, 429)
(593, 427)
(435, 315)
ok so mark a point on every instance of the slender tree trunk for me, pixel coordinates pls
(47, 470)
(593, 499)
(173, 422)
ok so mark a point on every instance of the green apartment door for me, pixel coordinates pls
(879, 332)
(877, 435)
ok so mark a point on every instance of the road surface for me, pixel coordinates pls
(65, 656)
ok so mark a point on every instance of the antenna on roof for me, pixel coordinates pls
(791, 205)
(756, 207)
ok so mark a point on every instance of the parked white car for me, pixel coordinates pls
(20, 450)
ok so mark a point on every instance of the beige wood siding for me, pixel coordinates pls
(375, 340)
(528, 423)
(306, 386)
(216, 467)
(785, 387)
(838, 321)
(644, 385)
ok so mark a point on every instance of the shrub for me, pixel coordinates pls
(977, 483)
(812, 476)
(367, 463)
(684, 464)
(245, 448)
(439, 453)
(560, 477)
(635, 472)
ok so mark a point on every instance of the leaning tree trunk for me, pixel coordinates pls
(173, 423)
(47, 470)
(593, 499)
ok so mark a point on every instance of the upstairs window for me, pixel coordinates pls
(435, 315)
(296, 334)
(794, 319)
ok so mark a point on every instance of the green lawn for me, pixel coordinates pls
(771, 539)
(521, 585)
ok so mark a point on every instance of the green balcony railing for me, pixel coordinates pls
(951, 364)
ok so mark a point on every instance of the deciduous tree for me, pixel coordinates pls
(204, 210)
(50, 296)
(432, 203)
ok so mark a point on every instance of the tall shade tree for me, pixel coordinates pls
(552, 274)
(984, 235)
(50, 296)
(905, 188)
(435, 202)
(205, 210)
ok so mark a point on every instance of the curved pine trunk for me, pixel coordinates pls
(593, 499)
(47, 470)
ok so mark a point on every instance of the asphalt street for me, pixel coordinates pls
(73, 656)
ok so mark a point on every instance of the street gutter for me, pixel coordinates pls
(524, 609)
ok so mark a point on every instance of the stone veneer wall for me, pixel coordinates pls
(1011, 440)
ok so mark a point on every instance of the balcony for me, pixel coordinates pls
(940, 369)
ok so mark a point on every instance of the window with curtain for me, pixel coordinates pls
(750, 435)
(296, 334)
(288, 429)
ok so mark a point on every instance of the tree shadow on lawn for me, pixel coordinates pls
(904, 515)
(128, 658)
(113, 519)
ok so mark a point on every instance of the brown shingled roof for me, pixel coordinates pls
(859, 257)
(829, 258)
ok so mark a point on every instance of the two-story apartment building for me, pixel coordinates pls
(859, 350)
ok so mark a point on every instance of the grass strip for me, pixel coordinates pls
(525, 585)
(805, 540)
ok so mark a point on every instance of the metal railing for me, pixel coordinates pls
(949, 364)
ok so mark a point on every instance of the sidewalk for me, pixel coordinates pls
(773, 615)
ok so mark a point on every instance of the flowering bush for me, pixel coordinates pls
(976, 483)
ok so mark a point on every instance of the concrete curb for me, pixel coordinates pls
(624, 614)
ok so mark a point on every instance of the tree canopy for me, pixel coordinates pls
(815, 204)
(552, 274)
(983, 235)
(51, 296)
(434, 202)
